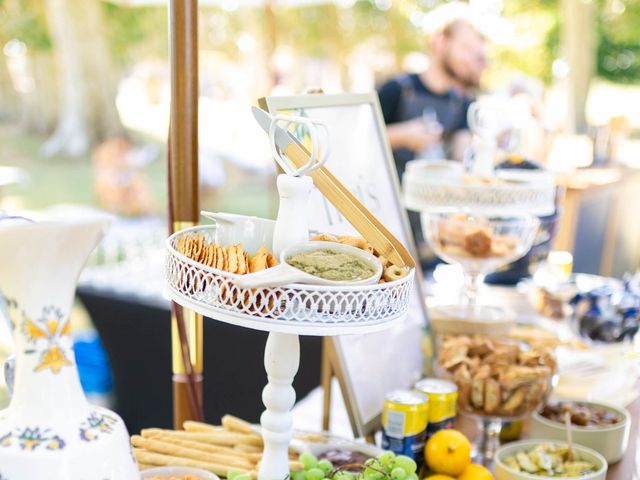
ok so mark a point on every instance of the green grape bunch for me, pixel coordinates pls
(386, 466)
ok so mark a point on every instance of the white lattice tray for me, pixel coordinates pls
(522, 191)
(295, 308)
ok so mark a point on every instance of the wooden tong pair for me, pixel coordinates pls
(384, 242)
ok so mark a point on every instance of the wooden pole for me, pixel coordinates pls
(578, 41)
(186, 333)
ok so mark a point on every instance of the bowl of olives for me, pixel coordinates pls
(600, 426)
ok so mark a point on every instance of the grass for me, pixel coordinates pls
(60, 179)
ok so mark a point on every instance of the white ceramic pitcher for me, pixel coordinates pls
(50, 431)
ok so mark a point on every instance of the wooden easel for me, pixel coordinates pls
(331, 367)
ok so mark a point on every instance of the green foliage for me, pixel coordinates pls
(536, 39)
(136, 33)
(329, 31)
(619, 41)
(25, 21)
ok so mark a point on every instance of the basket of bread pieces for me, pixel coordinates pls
(204, 264)
(497, 378)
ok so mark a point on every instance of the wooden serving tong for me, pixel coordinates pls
(384, 242)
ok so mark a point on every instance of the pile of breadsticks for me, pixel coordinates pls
(234, 445)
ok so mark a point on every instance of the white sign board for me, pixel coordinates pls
(372, 364)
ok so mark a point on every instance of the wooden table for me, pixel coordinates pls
(615, 187)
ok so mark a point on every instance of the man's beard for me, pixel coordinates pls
(465, 81)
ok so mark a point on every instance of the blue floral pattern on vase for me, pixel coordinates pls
(95, 425)
(31, 439)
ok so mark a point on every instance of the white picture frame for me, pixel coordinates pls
(367, 366)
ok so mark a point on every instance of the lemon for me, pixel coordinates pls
(448, 452)
(438, 476)
(475, 472)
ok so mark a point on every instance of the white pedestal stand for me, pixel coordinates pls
(282, 352)
(285, 312)
(281, 361)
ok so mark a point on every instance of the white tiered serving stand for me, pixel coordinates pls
(285, 312)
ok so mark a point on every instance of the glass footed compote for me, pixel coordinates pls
(490, 426)
(513, 401)
(481, 245)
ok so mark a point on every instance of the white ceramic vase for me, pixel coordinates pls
(50, 431)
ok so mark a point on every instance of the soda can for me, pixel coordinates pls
(443, 403)
(404, 423)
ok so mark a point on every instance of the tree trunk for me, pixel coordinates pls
(579, 48)
(9, 104)
(86, 82)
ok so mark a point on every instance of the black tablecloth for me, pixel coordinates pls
(136, 334)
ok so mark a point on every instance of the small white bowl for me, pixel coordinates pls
(610, 441)
(504, 472)
(169, 472)
(252, 232)
(287, 274)
(363, 255)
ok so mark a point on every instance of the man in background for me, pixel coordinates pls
(426, 113)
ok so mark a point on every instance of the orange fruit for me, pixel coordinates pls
(448, 452)
(476, 472)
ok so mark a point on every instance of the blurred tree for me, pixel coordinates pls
(27, 63)
(86, 79)
(136, 33)
(619, 40)
(535, 41)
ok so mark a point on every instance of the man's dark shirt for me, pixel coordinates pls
(405, 98)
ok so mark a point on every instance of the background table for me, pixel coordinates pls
(136, 333)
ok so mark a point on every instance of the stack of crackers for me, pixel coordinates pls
(231, 259)
(234, 445)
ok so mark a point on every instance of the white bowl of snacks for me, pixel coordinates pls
(600, 426)
(338, 450)
(177, 473)
(548, 459)
(384, 463)
(318, 263)
(253, 231)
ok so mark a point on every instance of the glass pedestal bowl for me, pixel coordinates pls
(480, 245)
(499, 383)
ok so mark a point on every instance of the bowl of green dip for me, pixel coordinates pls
(334, 263)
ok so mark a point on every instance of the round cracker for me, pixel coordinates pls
(242, 265)
(219, 258)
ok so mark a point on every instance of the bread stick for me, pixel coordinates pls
(237, 424)
(254, 457)
(205, 447)
(216, 438)
(248, 448)
(167, 448)
(144, 466)
(152, 458)
(193, 426)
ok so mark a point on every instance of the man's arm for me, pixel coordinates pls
(412, 135)
(460, 142)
